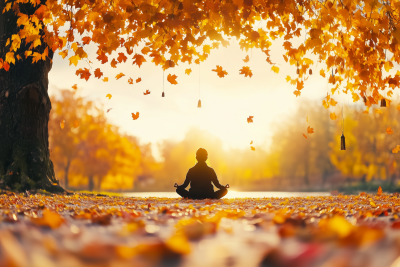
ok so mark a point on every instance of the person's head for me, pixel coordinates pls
(201, 155)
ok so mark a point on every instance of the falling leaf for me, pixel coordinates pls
(378, 111)
(332, 115)
(252, 148)
(147, 92)
(172, 79)
(62, 124)
(246, 59)
(389, 130)
(250, 119)
(322, 73)
(138, 60)
(121, 57)
(246, 71)
(310, 130)
(396, 149)
(130, 81)
(109, 96)
(98, 73)
(275, 69)
(305, 136)
(75, 86)
(76, 124)
(220, 72)
(109, 109)
(135, 116)
(119, 76)
(251, 142)
(138, 80)
(105, 79)
(188, 71)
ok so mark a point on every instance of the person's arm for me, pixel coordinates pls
(215, 181)
(186, 182)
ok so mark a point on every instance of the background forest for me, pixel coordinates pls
(91, 154)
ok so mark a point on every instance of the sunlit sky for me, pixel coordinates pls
(226, 102)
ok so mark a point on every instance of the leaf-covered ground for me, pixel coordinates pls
(89, 230)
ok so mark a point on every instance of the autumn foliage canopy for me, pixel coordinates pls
(356, 42)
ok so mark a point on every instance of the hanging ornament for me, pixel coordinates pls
(163, 94)
(199, 103)
(310, 71)
(383, 102)
(342, 139)
(342, 142)
(297, 71)
(365, 99)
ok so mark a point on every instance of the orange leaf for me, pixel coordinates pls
(333, 116)
(98, 73)
(250, 119)
(246, 71)
(76, 124)
(49, 219)
(83, 73)
(119, 76)
(305, 136)
(138, 80)
(62, 124)
(86, 40)
(300, 85)
(109, 96)
(108, 110)
(135, 116)
(75, 87)
(310, 130)
(252, 148)
(105, 79)
(389, 130)
(121, 57)
(251, 142)
(130, 81)
(114, 63)
(379, 193)
(220, 72)
(147, 92)
(246, 59)
(172, 79)
(138, 60)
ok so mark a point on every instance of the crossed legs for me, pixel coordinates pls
(215, 195)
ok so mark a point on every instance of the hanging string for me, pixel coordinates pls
(342, 121)
(199, 80)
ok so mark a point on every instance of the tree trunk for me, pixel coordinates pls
(24, 114)
(66, 174)
(91, 183)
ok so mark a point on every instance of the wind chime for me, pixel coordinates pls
(342, 138)
(199, 103)
(163, 94)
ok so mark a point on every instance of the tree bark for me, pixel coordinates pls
(24, 114)
(91, 183)
(66, 170)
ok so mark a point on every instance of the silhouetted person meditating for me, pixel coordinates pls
(201, 179)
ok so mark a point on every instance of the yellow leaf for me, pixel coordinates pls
(322, 73)
(119, 76)
(10, 57)
(252, 148)
(333, 116)
(188, 71)
(74, 60)
(105, 79)
(109, 96)
(49, 219)
(275, 69)
(62, 124)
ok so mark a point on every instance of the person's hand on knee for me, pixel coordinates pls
(176, 185)
(227, 186)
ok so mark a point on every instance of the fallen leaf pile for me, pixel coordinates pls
(97, 230)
